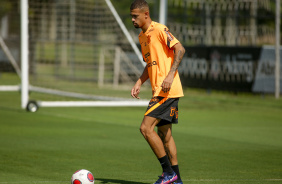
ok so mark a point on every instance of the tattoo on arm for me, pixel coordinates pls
(177, 59)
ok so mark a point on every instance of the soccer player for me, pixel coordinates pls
(162, 52)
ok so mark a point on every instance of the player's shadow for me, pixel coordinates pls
(115, 181)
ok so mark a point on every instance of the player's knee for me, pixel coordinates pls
(143, 130)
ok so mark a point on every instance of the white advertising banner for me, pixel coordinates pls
(265, 75)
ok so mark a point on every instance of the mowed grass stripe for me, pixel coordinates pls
(216, 144)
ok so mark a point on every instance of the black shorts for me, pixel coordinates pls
(163, 108)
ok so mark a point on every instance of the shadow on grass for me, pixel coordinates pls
(115, 181)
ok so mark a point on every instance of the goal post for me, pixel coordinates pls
(71, 47)
(24, 54)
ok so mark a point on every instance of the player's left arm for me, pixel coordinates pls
(179, 52)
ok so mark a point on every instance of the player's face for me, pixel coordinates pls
(137, 17)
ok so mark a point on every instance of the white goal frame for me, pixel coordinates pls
(25, 86)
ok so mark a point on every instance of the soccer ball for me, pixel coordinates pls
(82, 176)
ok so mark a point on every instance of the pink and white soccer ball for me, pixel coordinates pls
(82, 176)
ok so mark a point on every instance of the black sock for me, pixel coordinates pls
(166, 164)
(176, 170)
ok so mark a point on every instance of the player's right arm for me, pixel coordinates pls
(136, 88)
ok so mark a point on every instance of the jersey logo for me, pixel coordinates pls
(151, 30)
(148, 39)
(169, 35)
(154, 100)
(174, 111)
(151, 64)
(147, 55)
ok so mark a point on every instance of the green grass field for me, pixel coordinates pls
(221, 139)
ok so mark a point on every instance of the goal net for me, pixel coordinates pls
(79, 54)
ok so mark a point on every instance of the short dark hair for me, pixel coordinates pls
(140, 4)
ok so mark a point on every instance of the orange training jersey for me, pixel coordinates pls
(155, 45)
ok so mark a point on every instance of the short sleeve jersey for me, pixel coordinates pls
(156, 44)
